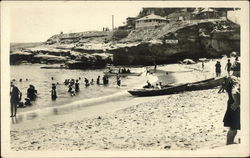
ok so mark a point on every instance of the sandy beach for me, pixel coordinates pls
(185, 121)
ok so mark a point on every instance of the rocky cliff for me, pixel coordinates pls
(166, 44)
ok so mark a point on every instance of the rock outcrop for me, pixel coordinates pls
(170, 43)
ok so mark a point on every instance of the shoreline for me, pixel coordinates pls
(131, 125)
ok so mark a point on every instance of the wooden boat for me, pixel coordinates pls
(122, 74)
(208, 84)
(154, 92)
(200, 85)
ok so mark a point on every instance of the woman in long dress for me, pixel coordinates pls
(232, 115)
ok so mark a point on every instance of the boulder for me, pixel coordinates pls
(83, 60)
(19, 57)
(188, 61)
(45, 58)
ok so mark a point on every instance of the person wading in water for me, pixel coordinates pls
(15, 97)
(218, 69)
(53, 92)
(77, 89)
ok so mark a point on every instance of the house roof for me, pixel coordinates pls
(208, 10)
(150, 17)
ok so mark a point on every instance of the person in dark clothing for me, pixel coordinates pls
(118, 80)
(66, 82)
(98, 80)
(27, 102)
(228, 67)
(147, 71)
(77, 89)
(70, 90)
(155, 67)
(236, 67)
(218, 69)
(15, 97)
(232, 116)
(149, 85)
(53, 92)
(86, 82)
(72, 81)
(31, 93)
(105, 80)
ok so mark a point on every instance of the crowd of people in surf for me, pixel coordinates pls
(73, 89)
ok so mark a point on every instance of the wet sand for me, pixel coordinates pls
(185, 121)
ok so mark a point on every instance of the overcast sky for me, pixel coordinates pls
(37, 21)
(36, 24)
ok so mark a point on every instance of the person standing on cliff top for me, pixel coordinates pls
(228, 67)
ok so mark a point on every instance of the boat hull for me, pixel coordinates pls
(200, 85)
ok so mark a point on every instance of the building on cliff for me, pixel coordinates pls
(182, 14)
(151, 20)
(208, 13)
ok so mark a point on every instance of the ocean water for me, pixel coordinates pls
(41, 79)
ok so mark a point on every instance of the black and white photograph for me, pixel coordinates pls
(124, 78)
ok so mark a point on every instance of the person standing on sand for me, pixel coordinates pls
(202, 65)
(236, 67)
(232, 116)
(218, 69)
(228, 67)
(155, 67)
(15, 97)
(98, 80)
